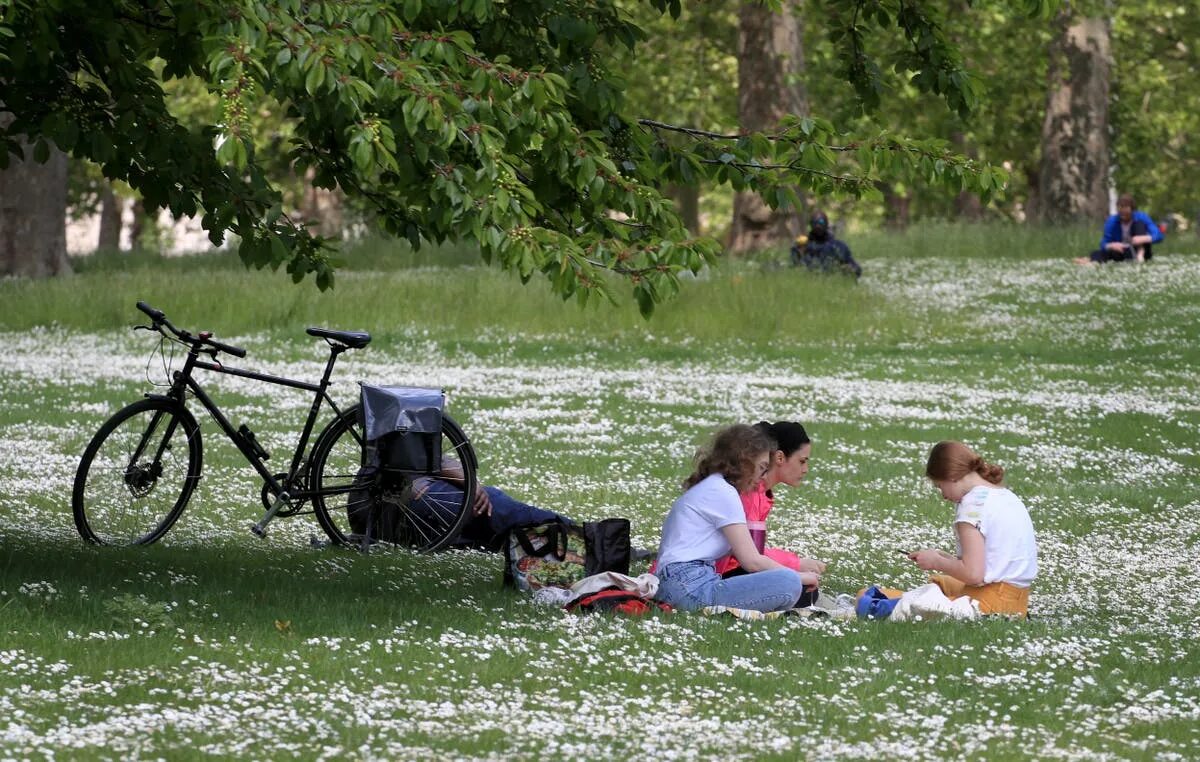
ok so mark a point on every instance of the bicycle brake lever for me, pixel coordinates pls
(142, 328)
(212, 352)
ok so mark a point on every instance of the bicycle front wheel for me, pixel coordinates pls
(422, 512)
(137, 474)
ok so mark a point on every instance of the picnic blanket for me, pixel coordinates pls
(752, 615)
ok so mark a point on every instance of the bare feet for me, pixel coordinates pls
(1084, 261)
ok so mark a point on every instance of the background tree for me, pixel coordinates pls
(111, 223)
(686, 73)
(1074, 177)
(498, 123)
(33, 203)
(1007, 54)
(1153, 114)
(770, 56)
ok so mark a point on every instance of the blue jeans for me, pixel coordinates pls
(690, 585)
(483, 531)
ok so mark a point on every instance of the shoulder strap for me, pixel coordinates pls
(556, 540)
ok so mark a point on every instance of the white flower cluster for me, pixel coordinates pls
(44, 591)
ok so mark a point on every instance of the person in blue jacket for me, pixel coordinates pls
(1128, 235)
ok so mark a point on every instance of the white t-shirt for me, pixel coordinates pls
(1010, 549)
(692, 530)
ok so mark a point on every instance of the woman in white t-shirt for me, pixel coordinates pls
(997, 551)
(707, 522)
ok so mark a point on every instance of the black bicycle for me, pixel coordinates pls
(140, 469)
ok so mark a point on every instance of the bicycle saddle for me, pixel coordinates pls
(352, 339)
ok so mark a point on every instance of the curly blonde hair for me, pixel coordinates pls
(731, 454)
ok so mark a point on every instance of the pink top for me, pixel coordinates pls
(757, 505)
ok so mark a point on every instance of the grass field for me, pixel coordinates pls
(1082, 382)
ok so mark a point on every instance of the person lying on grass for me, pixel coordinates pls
(997, 550)
(788, 465)
(707, 523)
(493, 511)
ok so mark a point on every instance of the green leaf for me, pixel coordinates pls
(316, 76)
(362, 155)
(645, 300)
(279, 252)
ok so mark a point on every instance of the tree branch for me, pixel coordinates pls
(851, 179)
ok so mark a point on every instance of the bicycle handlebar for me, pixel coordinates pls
(203, 339)
(155, 315)
(223, 347)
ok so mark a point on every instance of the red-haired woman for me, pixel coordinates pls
(997, 552)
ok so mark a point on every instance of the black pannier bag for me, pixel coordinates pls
(402, 428)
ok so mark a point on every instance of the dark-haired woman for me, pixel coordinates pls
(997, 551)
(707, 523)
(789, 464)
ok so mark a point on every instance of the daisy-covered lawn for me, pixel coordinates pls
(1084, 383)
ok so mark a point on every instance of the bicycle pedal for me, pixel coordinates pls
(261, 532)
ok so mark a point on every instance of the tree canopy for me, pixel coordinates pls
(498, 122)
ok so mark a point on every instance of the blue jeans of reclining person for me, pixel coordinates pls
(482, 531)
(690, 585)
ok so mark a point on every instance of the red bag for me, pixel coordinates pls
(617, 601)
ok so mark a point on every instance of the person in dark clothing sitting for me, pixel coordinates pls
(821, 251)
(1128, 235)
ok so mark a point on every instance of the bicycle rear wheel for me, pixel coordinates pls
(137, 474)
(421, 512)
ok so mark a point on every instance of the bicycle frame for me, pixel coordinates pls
(183, 382)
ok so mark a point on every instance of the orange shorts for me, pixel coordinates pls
(994, 598)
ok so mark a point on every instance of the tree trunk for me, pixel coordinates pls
(967, 206)
(770, 85)
(895, 207)
(687, 201)
(1075, 152)
(322, 207)
(33, 216)
(1033, 184)
(137, 229)
(110, 219)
